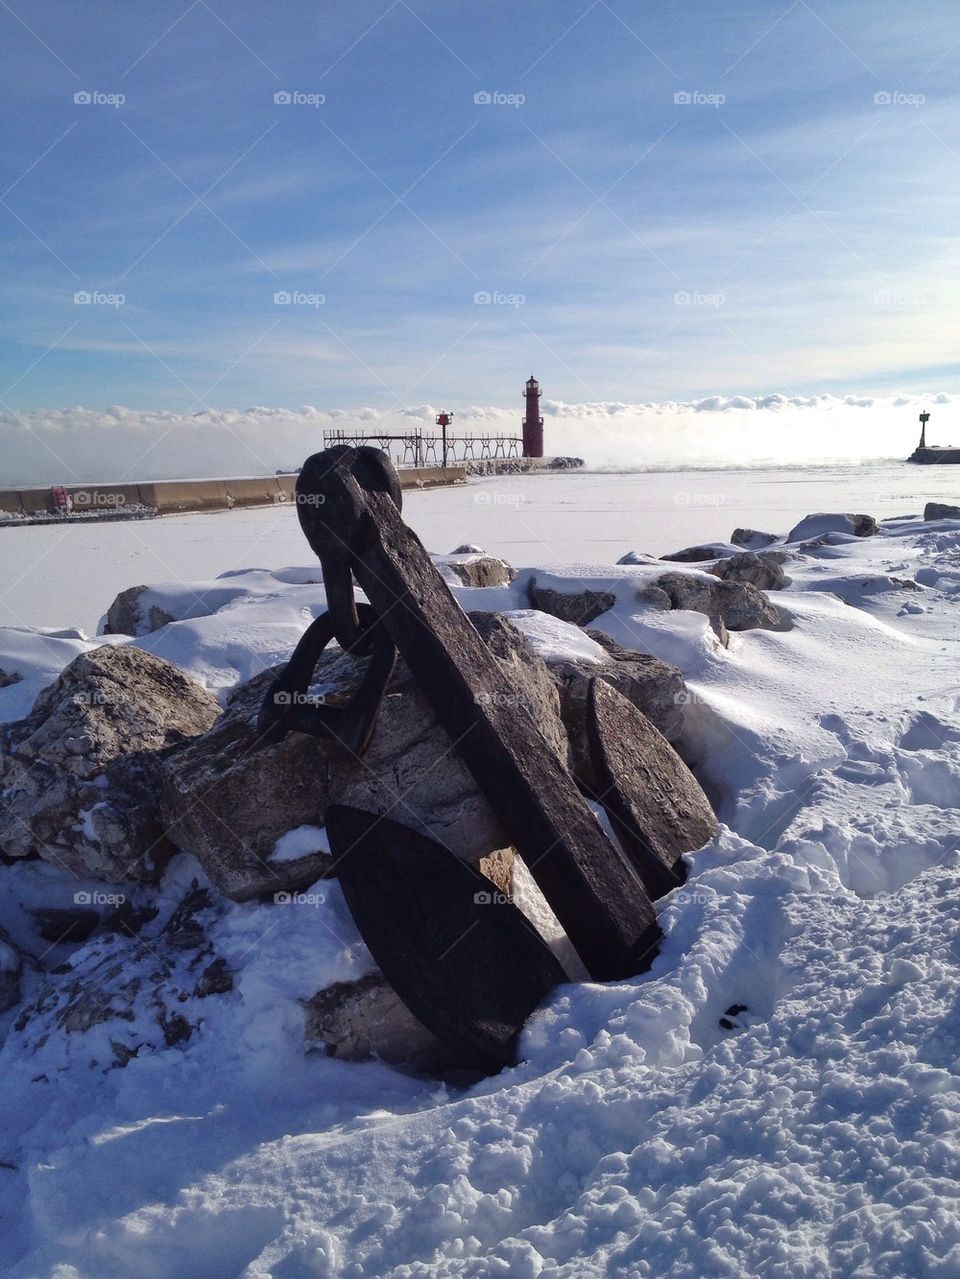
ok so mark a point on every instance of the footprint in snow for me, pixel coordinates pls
(734, 1019)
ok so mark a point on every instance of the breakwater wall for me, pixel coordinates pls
(171, 497)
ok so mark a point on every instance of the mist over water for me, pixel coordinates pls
(78, 445)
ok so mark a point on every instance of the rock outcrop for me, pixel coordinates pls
(80, 774)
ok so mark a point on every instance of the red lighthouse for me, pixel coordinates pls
(532, 421)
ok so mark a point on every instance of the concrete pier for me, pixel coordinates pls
(173, 497)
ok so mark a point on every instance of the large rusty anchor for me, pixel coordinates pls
(470, 973)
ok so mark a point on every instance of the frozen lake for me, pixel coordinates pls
(60, 577)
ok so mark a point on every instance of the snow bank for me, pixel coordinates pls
(778, 1096)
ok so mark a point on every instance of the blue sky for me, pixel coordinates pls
(775, 228)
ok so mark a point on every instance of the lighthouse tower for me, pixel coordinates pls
(532, 421)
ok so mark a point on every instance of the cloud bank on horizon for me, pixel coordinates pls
(79, 445)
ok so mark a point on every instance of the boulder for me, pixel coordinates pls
(475, 570)
(813, 526)
(130, 615)
(579, 607)
(355, 1020)
(653, 686)
(699, 554)
(468, 548)
(762, 571)
(752, 539)
(730, 606)
(941, 511)
(229, 798)
(80, 774)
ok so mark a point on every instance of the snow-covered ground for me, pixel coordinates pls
(814, 1134)
(65, 577)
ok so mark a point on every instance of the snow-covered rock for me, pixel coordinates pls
(579, 606)
(752, 539)
(699, 554)
(471, 569)
(80, 774)
(813, 526)
(730, 606)
(761, 569)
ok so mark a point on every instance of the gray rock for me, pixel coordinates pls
(760, 570)
(941, 511)
(751, 539)
(733, 606)
(9, 677)
(814, 526)
(80, 774)
(655, 598)
(653, 686)
(355, 1020)
(700, 554)
(127, 615)
(228, 798)
(476, 570)
(579, 607)
(468, 548)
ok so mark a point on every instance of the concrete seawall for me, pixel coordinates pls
(172, 497)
